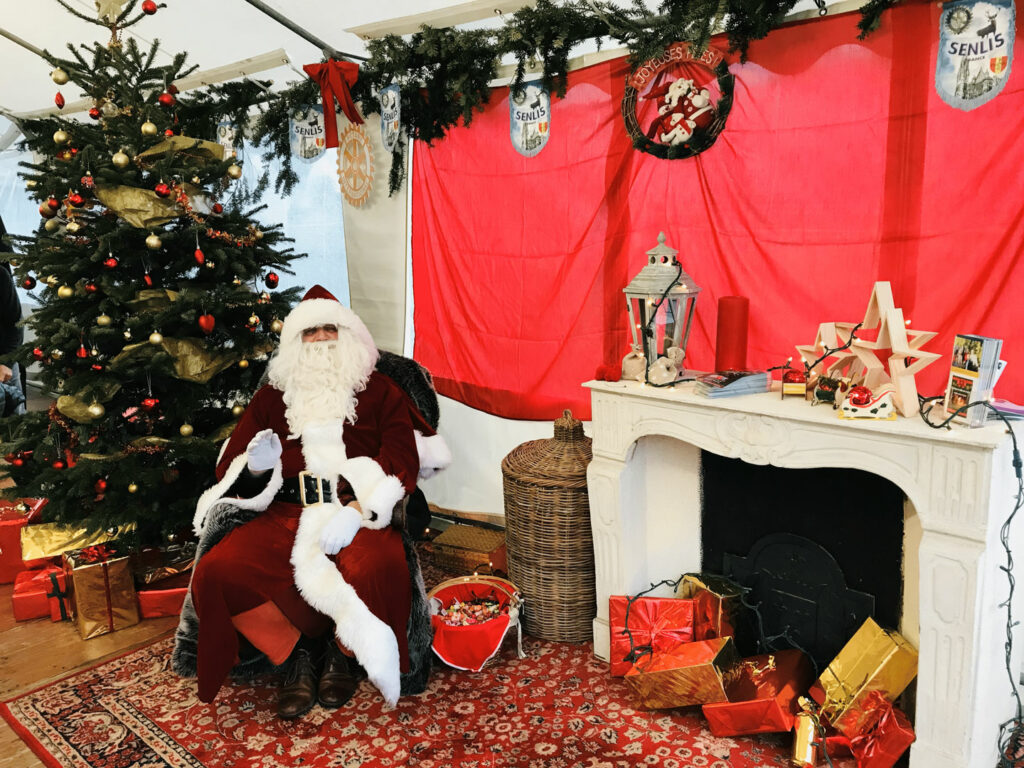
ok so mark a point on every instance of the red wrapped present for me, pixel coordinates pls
(655, 623)
(14, 515)
(33, 591)
(165, 601)
(762, 695)
(716, 604)
(887, 736)
(691, 673)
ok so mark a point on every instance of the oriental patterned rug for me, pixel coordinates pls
(556, 708)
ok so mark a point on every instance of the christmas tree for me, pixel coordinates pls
(155, 314)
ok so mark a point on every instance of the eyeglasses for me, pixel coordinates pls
(328, 328)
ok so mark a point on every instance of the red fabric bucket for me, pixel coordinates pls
(470, 647)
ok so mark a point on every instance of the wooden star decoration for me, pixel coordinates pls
(108, 9)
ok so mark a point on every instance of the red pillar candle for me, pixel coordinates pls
(731, 336)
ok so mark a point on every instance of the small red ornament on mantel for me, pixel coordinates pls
(794, 382)
(860, 396)
(199, 256)
(206, 322)
(95, 113)
(149, 403)
(271, 279)
(59, 100)
(162, 190)
(110, 262)
(148, 7)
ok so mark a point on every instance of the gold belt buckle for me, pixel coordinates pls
(302, 488)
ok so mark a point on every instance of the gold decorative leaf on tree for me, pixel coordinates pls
(192, 361)
(200, 151)
(143, 208)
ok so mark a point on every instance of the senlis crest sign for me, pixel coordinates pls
(529, 112)
(975, 51)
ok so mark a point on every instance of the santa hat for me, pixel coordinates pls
(320, 307)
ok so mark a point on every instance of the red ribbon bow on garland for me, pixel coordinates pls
(98, 553)
(334, 78)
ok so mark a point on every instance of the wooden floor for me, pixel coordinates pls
(33, 653)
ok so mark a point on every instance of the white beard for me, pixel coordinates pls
(320, 379)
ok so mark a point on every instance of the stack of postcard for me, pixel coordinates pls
(730, 383)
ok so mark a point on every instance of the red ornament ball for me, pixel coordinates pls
(58, 464)
(18, 461)
(169, 132)
(97, 367)
(53, 203)
(28, 283)
(90, 287)
(37, 353)
(46, 211)
(172, 89)
(794, 376)
(166, 99)
(206, 322)
(73, 151)
(95, 113)
(148, 7)
(100, 486)
(271, 280)
(59, 100)
(217, 208)
(81, 353)
(162, 190)
(200, 257)
(76, 200)
(148, 279)
(87, 181)
(149, 403)
(110, 262)
(859, 396)
(9, 458)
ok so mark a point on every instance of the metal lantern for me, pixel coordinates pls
(661, 300)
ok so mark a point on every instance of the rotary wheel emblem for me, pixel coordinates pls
(355, 165)
(958, 19)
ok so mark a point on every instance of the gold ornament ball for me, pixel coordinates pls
(243, 363)
(254, 319)
(237, 410)
(259, 234)
(276, 326)
(65, 292)
(156, 338)
(237, 281)
(154, 243)
(96, 410)
(148, 129)
(52, 225)
(132, 488)
(60, 136)
(210, 264)
(31, 184)
(59, 76)
(196, 180)
(185, 430)
(56, 354)
(127, 334)
(73, 227)
(234, 171)
(103, 321)
(120, 160)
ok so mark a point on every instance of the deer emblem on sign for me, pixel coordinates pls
(989, 28)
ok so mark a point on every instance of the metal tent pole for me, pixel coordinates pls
(328, 51)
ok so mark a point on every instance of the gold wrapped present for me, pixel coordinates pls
(874, 659)
(716, 604)
(46, 540)
(102, 590)
(690, 673)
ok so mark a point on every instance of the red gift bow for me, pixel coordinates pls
(334, 78)
(866, 746)
(98, 553)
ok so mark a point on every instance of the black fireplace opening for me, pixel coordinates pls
(820, 549)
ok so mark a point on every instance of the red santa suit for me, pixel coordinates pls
(273, 565)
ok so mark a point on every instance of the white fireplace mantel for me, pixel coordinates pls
(645, 512)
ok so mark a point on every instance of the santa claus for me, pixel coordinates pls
(684, 110)
(319, 460)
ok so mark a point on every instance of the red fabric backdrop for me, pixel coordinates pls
(839, 166)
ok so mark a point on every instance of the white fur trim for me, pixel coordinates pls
(376, 491)
(313, 312)
(433, 452)
(323, 448)
(364, 474)
(216, 493)
(323, 587)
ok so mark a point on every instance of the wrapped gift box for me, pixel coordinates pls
(103, 595)
(166, 598)
(716, 604)
(39, 593)
(14, 515)
(155, 565)
(657, 623)
(762, 695)
(887, 735)
(874, 659)
(692, 673)
(41, 543)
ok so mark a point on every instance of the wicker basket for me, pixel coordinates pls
(547, 532)
(463, 549)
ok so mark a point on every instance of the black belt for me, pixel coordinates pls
(305, 489)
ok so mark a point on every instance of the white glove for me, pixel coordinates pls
(263, 451)
(339, 531)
